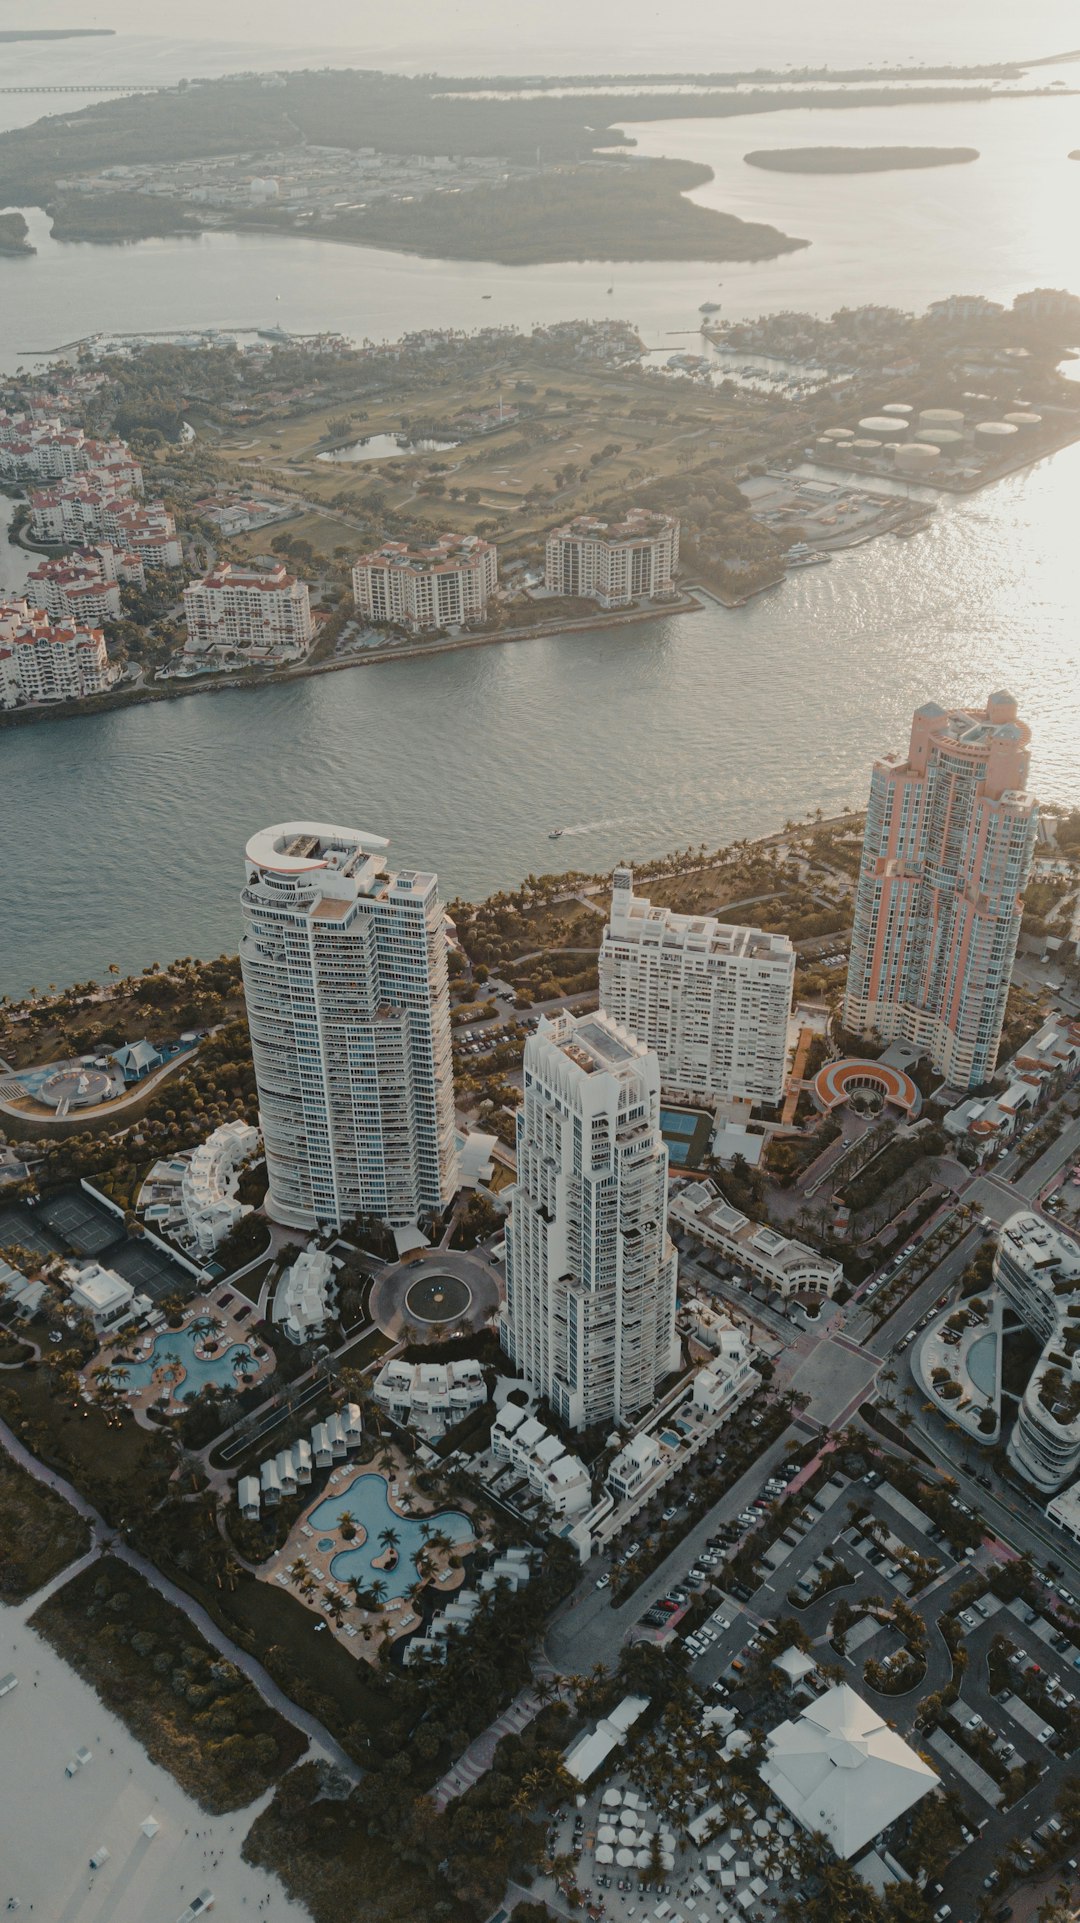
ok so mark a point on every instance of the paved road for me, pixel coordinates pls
(588, 1629)
(105, 1538)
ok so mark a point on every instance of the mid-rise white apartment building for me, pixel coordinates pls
(74, 511)
(423, 588)
(40, 662)
(345, 978)
(248, 611)
(1038, 1267)
(146, 530)
(81, 588)
(614, 563)
(590, 1268)
(713, 1000)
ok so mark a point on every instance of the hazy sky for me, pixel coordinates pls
(612, 35)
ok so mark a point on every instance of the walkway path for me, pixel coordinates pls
(105, 1111)
(478, 1758)
(105, 1538)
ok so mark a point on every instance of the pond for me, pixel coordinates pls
(367, 1499)
(381, 447)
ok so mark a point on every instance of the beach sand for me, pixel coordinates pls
(50, 1823)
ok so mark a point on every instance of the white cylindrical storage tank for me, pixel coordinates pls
(898, 408)
(1023, 420)
(916, 457)
(864, 446)
(839, 434)
(994, 433)
(885, 426)
(941, 417)
(939, 436)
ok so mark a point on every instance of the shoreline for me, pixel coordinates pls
(370, 658)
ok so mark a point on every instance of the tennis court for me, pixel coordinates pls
(86, 1227)
(21, 1227)
(149, 1271)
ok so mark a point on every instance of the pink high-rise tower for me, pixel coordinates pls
(946, 857)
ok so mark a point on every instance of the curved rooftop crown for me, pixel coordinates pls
(298, 847)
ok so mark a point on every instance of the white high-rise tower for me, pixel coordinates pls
(714, 1000)
(344, 968)
(590, 1268)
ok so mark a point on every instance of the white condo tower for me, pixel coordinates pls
(344, 968)
(714, 1000)
(590, 1268)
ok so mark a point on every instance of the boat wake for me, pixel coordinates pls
(593, 827)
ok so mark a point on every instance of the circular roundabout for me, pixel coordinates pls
(438, 1298)
(426, 1298)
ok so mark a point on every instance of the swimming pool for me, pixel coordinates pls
(982, 1362)
(222, 1369)
(367, 1499)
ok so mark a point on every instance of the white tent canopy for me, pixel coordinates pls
(839, 1768)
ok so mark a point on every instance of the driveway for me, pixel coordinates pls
(589, 1629)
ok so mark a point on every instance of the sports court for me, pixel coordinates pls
(85, 1227)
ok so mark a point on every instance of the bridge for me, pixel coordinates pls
(92, 86)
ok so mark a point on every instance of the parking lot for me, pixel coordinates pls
(886, 1557)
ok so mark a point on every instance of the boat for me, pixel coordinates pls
(556, 834)
(709, 307)
(485, 297)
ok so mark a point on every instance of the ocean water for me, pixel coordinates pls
(124, 832)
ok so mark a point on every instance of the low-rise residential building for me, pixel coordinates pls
(713, 1000)
(787, 1267)
(210, 1181)
(248, 1496)
(192, 1196)
(614, 563)
(430, 1396)
(1037, 1266)
(40, 662)
(1043, 1065)
(102, 1296)
(425, 588)
(558, 1478)
(257, 614)
(304, 1298)
(676, 1432)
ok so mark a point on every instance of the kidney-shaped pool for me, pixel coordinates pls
(366, 1498)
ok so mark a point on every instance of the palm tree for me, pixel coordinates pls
(347, 1523)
